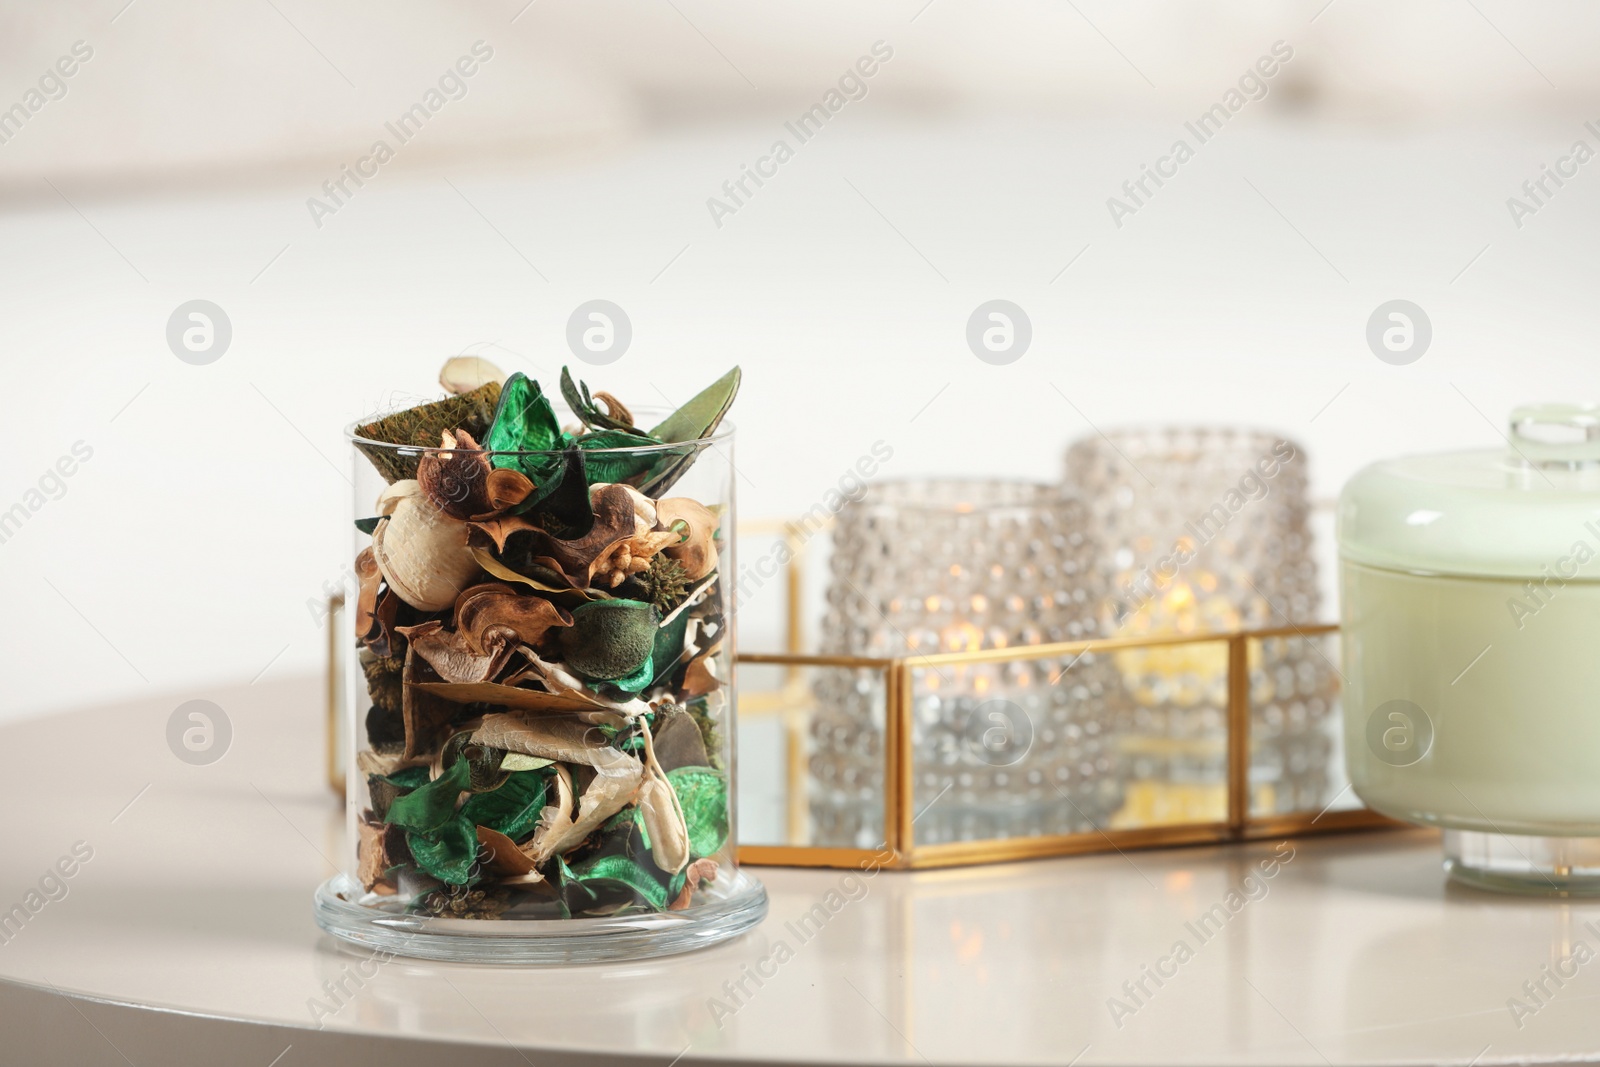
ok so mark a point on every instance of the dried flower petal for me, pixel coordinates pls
(506, 489)
(451, 656)
(505, 858)
(615, 520)
(701, 870)
(369, 577)
(493, 604)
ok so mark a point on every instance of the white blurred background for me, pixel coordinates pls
(178, 160)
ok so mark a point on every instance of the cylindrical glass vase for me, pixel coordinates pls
(541, 704)
(999, 750)
(1204, 529)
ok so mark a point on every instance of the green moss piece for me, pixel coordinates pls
(708, 729)
(609, 639)
(420, 427)
(703, 793)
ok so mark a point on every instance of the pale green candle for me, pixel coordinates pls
(1471, 615)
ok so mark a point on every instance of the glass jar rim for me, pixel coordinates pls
(723, 435)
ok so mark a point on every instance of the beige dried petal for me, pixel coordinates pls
(451, 656)
(612, 789)
(555, 820)
(663, 820)
(558, 737)
(463, 374)
(662, 812)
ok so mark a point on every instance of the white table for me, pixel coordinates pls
(187, 938)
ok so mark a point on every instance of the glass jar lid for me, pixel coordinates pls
(1528, 510)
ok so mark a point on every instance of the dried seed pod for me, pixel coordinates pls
(698, 551)
(644, 509)
(456, 480)
(609, 639)
(421, 550)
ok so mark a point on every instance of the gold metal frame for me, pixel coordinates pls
(900, 849)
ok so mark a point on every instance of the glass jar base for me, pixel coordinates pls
(739, 907)
(1520, 863)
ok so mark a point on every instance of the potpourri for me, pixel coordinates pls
(540, 624)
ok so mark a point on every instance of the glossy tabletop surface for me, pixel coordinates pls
(186, 937)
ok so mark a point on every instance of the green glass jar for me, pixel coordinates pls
(1471, 615)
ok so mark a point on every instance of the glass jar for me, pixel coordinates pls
(1204, 529)
(1471, 603)
(542, 704)
(998, 750)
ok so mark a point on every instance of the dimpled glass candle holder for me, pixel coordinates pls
(1471, 603)
(1205, 530)
(998, 750)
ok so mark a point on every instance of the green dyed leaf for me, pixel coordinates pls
(624, 820)
(624, 871)
(636, 681)
(560, 503)
(703, 793)
(608, 466)
(366, 526)
(583, 405)
(695, 421)
(449, 853)
(523, 422)
(699, 417)
(428, 807)
(513, 809)
(668, 650)
(409, 778)
(384, 789)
